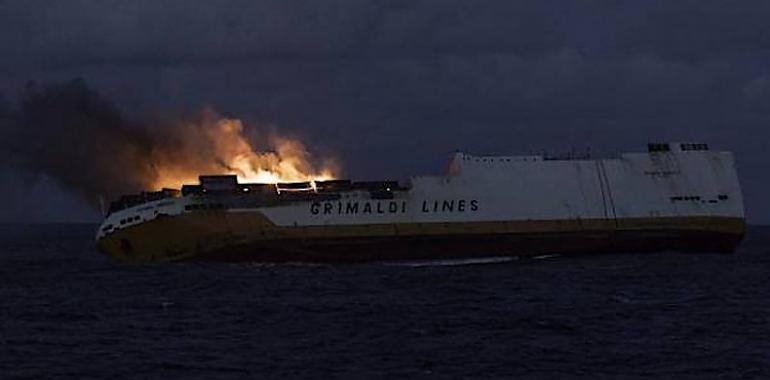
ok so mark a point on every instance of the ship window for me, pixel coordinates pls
(686, 198)
(688, 147)
(122, 221)
(723, 197)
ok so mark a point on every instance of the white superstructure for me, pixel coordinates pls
(694, 182)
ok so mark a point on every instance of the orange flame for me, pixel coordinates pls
(218, 146)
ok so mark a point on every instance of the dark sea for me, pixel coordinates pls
(67, 312)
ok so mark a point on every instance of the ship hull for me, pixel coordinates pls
(238, 237)
(681, 198)
(435, 248)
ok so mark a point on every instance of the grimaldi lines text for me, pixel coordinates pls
(674, 196)
(391, 207)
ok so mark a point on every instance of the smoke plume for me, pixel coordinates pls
(76, 136)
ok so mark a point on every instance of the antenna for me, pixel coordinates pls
(101, 206)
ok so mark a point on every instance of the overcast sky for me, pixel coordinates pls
(391, 87)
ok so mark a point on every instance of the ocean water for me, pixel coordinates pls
(67, 312)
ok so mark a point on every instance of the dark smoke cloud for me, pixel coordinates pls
(73, 134)
(80, 139)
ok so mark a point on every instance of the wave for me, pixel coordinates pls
(453, 262)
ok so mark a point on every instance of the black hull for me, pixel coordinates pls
(470, 246)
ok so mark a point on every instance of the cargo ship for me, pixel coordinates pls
(673, 197)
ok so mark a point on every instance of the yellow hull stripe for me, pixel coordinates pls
(185, 236)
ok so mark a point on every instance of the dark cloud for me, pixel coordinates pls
(392, 86)
(697, 30)
(177, 32)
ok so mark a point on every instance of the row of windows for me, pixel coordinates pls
(686, 198)
(130, 219)
(721, 197)
(658, 147)
(694, 147)
(499, 159)
(205, 206)
(683, 147)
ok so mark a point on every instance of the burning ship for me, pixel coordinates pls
(674, 197)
